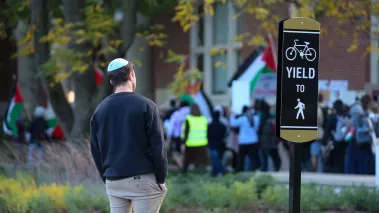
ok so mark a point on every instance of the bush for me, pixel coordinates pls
(197, 193)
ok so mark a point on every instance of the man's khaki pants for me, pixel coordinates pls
(142, 193)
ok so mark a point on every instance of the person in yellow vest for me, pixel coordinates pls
(194, 136)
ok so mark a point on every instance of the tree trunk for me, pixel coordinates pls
(128, 27)
(29, 84)
(56, 93)
(84, 83)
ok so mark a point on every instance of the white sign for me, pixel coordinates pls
(333, 85)
(266, 86)
(240, 95)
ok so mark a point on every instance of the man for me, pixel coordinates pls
(127, 145)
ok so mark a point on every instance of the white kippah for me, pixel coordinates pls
(117, 64)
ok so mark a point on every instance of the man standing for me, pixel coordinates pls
(127, 145)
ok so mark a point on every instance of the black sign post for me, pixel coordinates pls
(297, 92)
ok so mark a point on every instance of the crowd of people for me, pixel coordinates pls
(234, 143)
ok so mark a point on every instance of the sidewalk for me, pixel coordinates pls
(327, 179)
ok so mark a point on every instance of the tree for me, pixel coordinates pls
(63, 39)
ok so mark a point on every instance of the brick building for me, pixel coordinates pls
(218, 30)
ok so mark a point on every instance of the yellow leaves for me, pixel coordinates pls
(185, 14)
(185, 80)
(240, 37)
(137, 62)
(256, 40)
(354, 44)
(154, 36)
(217, 51)
(27, 43)
(59, 21)
(261, 13)
(174, 57)
(62, 40)
(115, 43)
(61, 76)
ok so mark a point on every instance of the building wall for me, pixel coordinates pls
(335, 63)
(163, 72)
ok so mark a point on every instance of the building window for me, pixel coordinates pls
(219, 74)
(216, 32)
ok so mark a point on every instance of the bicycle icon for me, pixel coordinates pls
(309, 53)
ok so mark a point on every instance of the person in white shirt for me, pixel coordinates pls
(248, 124)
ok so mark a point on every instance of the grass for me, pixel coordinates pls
(68, 182)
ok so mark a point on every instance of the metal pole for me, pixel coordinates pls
(295, 178)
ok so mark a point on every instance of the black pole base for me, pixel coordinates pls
(295, 178)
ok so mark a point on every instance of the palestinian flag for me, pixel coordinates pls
(260, 70)
(13, 111)
(55, 131)
(99, 75)
(195, 94)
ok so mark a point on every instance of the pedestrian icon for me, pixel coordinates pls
(309, 53)
(301, 107)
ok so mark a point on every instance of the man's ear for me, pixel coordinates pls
(110, 82)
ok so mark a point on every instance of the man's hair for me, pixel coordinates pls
(195, 110)
(184, 103)
(320, 98)
(365, 101)
(120, 76)
(173, 103)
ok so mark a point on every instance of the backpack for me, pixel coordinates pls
(362, 130)
(341, 129)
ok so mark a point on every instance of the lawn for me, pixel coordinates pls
(193, 193)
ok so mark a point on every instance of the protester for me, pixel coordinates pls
(195, 141)
(35, 134)
(216, 142)
(364, 131)
(170, 111)
(248, 125)
(334, 136)
(316, 146)
(269, 143)
(173, 136)
(127, 145)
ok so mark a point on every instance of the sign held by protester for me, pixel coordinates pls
(297, 84)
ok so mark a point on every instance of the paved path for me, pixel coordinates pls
(327, 179)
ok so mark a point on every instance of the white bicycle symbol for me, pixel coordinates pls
(309, 53)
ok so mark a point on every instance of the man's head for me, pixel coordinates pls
(195, 110)
(173, 103)
(184, 103)
(320, 98)
(39, 112)
(121, 73)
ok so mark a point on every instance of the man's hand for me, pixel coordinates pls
(163, 186)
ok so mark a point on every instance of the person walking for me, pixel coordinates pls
(194, 136)
(127, 145)
(216, 143)
(36, 132)
(175, 131)
(248, 139)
